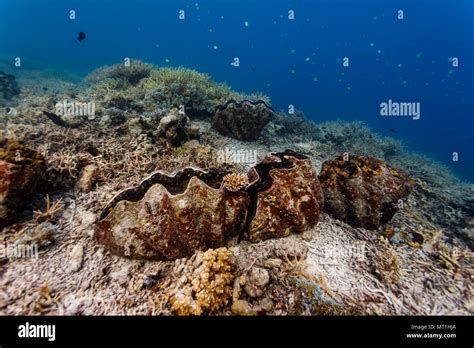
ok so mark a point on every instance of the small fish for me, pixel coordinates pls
(45, 88)
(252, 68)
(81, 36)
(393, 130)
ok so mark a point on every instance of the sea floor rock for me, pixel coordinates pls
(363, 191)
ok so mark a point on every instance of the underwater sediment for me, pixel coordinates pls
(135, 212)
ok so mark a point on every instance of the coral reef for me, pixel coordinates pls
(20, 170)
(420, 266)
(203, 283)
(363, 191)
(8, 86)
(242, 120)
(288, 196)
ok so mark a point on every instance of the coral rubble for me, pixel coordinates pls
(244, 120)
(363, 191)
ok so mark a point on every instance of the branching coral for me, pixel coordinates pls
(172, 87)
(121, 75)
(203, 283)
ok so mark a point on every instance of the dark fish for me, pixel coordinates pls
(81, 36)
(252, 68)
(393, 130)
(45, 88)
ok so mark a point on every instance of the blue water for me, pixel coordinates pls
(297, 62)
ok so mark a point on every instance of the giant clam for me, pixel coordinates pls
(171, 216)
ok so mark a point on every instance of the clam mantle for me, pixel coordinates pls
(171, 216)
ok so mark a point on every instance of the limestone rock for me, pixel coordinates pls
(174, 128)
(363, 191)
(242, 307)
(75, 258)
(258, 278)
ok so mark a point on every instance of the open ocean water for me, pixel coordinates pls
(331, 59)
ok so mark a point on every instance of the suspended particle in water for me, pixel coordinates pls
(307, 59)
(246, 23)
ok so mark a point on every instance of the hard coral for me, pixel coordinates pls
(172, 87)
(235, 182)
(204, 283)
(121, 74)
